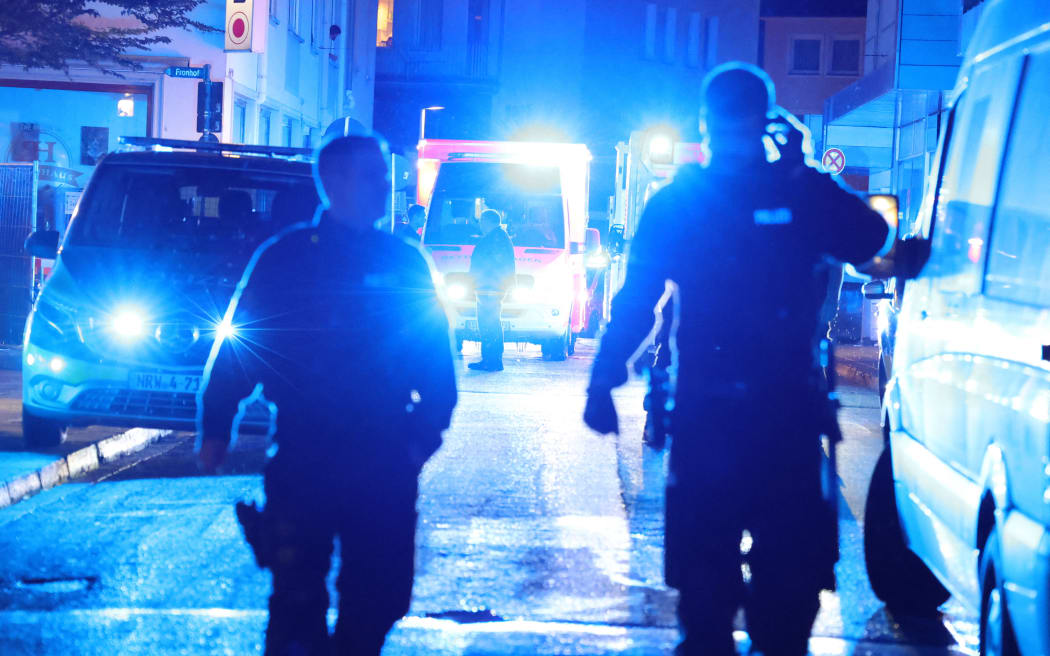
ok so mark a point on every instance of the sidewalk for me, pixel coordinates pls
(857, 364)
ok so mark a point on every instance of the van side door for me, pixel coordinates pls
(937, 336)
(1015, 411)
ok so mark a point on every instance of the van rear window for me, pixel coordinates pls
(528, 197)
(189, 208)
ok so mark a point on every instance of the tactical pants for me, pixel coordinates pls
(740, 466)
(371, 508)
(490, 328)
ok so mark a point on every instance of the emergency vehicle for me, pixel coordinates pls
(121, 330)
(644, 165)
(541, 191)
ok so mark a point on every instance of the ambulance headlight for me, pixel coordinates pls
(522, 295)
(598, 260)
(661, 148)
(456, 291)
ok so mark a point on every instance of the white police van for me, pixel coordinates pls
(960, 500)
(122, 328)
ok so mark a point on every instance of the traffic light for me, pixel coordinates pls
(215, 124)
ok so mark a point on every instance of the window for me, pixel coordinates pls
(286, 132)
(429, 15)
(528, 197)
(265, 116)
(711, 42)
(385, 25)
(805, 56)
(333, 87)
(1019, 253)
(316, 16)
(650, 30)
(670, 33)
(692, 48)
(191, 209)
(293, 16)
(478, 38)
(240, 117)
(967, 191)
(845, 57)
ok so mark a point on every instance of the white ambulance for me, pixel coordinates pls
(541, 190)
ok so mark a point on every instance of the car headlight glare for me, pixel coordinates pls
(598, 260)
(456, 291)
(522, 295)
(128, 324)
(225, 329)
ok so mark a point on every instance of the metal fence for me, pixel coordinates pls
(18, 199)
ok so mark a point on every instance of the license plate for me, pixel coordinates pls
(159, 382)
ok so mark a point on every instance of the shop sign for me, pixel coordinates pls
(30, 143)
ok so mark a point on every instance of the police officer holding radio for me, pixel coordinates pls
(339, 326)
(748, 271)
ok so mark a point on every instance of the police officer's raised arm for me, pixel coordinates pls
(850, 231)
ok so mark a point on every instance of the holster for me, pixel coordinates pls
(253, 525)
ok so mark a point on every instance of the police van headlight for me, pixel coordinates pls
(128, 324)
(456, 291)
(225, 330)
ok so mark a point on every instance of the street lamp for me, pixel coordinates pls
(423, 119)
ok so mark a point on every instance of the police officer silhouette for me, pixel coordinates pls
(339, 326)
(743, 246)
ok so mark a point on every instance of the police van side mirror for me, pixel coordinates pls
(617, 242)
(43, 244)
(592, 242)
(907, 255)
(875, 290)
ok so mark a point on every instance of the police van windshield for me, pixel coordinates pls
(189, 208)
(528, 197)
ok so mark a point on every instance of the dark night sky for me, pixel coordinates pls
(814, 7)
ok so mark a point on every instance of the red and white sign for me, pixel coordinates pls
(239, 24)
(834, 161)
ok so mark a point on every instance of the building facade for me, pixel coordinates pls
(589, 71)
(810, 58)
(887, 123)
(286, 91)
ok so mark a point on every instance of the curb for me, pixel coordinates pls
(11, 358)
(76, 463)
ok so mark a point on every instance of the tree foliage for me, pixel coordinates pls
(50, 33)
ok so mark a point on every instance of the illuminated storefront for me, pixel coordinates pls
(66, 128)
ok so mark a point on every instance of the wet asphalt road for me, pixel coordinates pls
(528, 520)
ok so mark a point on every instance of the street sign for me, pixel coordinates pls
(239, 25)
(184, 71)
(210, 101)
(834, 161)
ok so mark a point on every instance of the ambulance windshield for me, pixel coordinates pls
(528, 197)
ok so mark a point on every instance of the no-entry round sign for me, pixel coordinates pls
(237, 29)
(834, 161)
